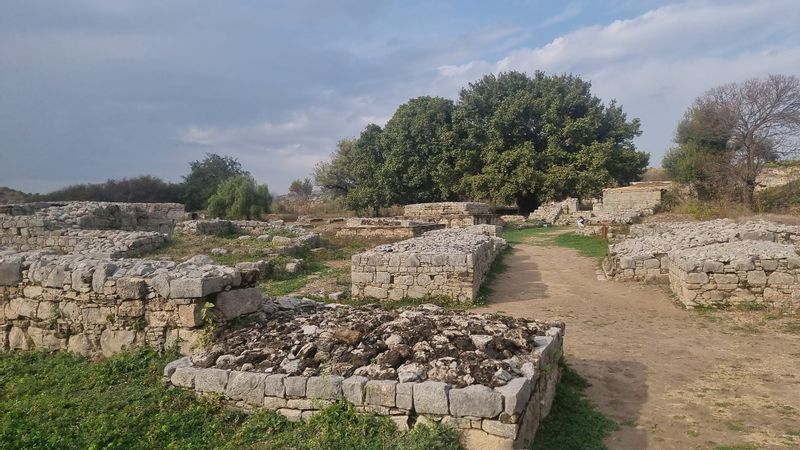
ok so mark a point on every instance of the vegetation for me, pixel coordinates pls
(731, 132)
(57, 401)
(301, 189)
(510, 138)
(206, 176)
(573, 423)
(144, 189)
(784, 198)
(240, 197)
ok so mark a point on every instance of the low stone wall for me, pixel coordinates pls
(97, 306)
(385, 228)
(502, 411)
(265, 230)
(452, 214)
(448, 263)
(644, 196)
(765, 273)
(104, 243)
(642, 254)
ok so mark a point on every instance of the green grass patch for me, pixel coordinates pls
(63, 401)
(591, 246)
(520, 235)
(573, 423)
(737, 447)
(498, 266)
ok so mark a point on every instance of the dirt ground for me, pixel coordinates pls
(673, 379)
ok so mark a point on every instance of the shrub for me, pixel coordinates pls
(240, 198)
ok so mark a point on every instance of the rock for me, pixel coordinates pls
(238, 302)
(516, 394)
(295, 386)
(211, 380)
(246, 237)
(219, 251)
(199, 260)
(114, 341)
(273, 385)
(264, 237)
(476, 400)
(281, 240)
(327, 387)
(430, 397)
(411, 372)
(353, 389)
(287, 302)
(170, 368)
(10, 272)
(404, 396)
(348, 336)
(246, 386)
(380, 392)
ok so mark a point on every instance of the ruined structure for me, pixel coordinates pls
(452, 214)
(447, 263)
(715, 263)
(386, 228)
(491, 377)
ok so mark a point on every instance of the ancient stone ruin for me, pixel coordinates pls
(714, 263)
(444, 263)
(492, 377)
(385, 228)
(452, 214)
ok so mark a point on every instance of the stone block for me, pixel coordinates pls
(327, 387)
(130, 308)
(516, 394)
(10, 272)
(295, 386)
(274, 403)
(273, 385)
(300, 403)
(80, 344)
(401, 422)
(238, 302)
(769, 265)
(497, 428)
(380, 392)
(292, 415)
(131, 288)
(353, 389)
(404, 397)
(376, 292)
(475, 400)
(756, 278)
(183, 376)
(713, 267)
(211, 380)
(430, 397)
(18, 339)
(246, 386)
(114, 341)
(697, 278)
(361, 277)
(479, 439)
(780, 278)
(726, 279)
(195, 287)
(171, 366)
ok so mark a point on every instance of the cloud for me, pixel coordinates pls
(655, 64)
(571, 10)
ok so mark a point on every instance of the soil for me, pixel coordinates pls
(672, 378)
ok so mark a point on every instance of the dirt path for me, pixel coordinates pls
(674, 379)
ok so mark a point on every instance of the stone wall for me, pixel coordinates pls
(718, 275)
(382, 228)
(642, 254)
(452, 214)
(98, 306)
(644, 196)
(502, 412)
(274, 231)
(448, 263)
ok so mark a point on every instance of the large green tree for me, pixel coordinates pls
(205, 177)
(417, 145)
(529, 139)
(240, 197)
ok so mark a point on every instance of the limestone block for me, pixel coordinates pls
(726, 279)
(211, 380)
(430, 397)
(743, 264)
(114, 341)
(713, 266)
(292, 415)
(497, 428)
(780, 278)
(131, 288)
(362, 277)
(479, 439)
(21, 307)
(46, 339)
(475, 400)
(300, 403)
(171, 366)
(376, 292)
(273, 385)
(18, 340)
(80, 344)
(380, 392)
(183, 376)
(130, 308)
(101, 274)
(274, 403)
(697, 278)
(295, 386)
(404, 397)
(195, 287)
(756, 278)
(246, 386)
(516, 394)
(238, 302)
(769, 265)
(10, 272)
(353, 389)
(327, 387)
(401, 422)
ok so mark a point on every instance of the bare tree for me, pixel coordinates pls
(764, 120)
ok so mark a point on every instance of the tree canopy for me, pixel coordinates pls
(206, 176)
(239, 197)
(510, 138)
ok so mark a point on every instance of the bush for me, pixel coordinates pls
(779, 199)
(240, 198)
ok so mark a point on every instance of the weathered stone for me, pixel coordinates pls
(238, 302)
(404, 397)
(211, 380)
(273, 385)
(380, 392)
(516, 394)
(131, 288)
(10, 272)
(114, 341)
(353, 389)
(430, 397)
(246, 386)
(475, 400)
(295, 386)
(327, 387)
(171, 366)
(195, 287)
(497, 428)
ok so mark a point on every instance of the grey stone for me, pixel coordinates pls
(246, 386)
(497, 428)
(195, 287)
(114, 341)
(171, 366)
(516, 394)
(380, 392)
(273, 385)
(328, 387)
(183, 376)
(211, 380)
(430, 397)
(713, 266)
(756, 278)
(10, 272)
(475, 400)
(131, 288)
(274, 402)
(281, 240)
(295, 386)
(404, 397)
(353, 389)
(238, 302)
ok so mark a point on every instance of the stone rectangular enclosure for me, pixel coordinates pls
(443, 263)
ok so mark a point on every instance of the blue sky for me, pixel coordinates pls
(98, 89)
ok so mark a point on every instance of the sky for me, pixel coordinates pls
(99, 89)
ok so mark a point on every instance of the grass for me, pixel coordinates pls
(573, 423)
(591, 246)
(63, 401)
